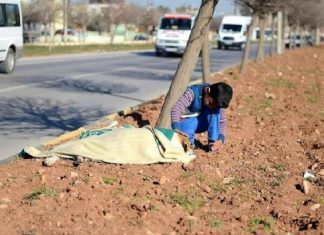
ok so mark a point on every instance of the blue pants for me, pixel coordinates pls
(208, 120)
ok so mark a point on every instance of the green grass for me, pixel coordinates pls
(199, 175)
(259, 223)
(215, 223)
(42, 191)
(189, 204)
(30, 51)
(312, 99)
(217, 187)
(279, 167)
(280, 83)
(109, 180)
(264, 103)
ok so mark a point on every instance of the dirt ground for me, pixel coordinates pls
(256, 185)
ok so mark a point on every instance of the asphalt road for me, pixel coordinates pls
(48, 96)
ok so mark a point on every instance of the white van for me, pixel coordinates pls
(11, 34)
(232, 31)
(173, 33)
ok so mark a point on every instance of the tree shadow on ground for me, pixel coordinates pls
(113, 89)
(90, 86)
(144, 75)
(31, 115)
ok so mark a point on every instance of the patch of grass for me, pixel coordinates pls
(85, 179)
(277, 181)
(249, 100)
(42, 191)
(264, 103)
(279, 167)
(215, 223)
(189, 204)
(262, 168)
(199, 175)
(280, 83)
(259, 223)
(217, 187)
(30, 51)
(109, 180)
(147, 178)
(33, 176)
(312, 99)
(237, 181)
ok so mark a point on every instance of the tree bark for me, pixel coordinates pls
(205, 59)
(245, 57)
(272, 34)
(279, 32)
(188, 62)
(260, 53)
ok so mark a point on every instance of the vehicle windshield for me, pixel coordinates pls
(232, 28)
(175, 23)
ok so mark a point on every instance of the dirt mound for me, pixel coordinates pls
(255, 185)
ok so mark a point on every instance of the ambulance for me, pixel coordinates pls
(173, 34)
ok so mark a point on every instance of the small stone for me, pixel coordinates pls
(74, 174)
(207, 189)
(41, 171)
(321, 172)
(50, 161)
(315, 207)
(188, 166)
(3, 206)
(5, 200)
(306, 186)
(43, 179)
(270, 96)
(158, 191)
(90, 174)
(227, 180)
(163, 180)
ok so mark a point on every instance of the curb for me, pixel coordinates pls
(109, 118)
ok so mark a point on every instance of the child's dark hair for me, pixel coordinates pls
(222, 94)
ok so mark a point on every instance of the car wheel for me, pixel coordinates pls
(158, 53)
(8, 65)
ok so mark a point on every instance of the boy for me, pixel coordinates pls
(202, 108)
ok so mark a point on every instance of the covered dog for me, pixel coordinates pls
(125, 146)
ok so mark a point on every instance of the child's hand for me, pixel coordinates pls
(215, 146)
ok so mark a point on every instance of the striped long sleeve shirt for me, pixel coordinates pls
(180, 107)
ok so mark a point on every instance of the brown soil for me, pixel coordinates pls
(255, 185)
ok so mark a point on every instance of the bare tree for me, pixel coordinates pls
(81, 18)
(113, 16)
(188, 61)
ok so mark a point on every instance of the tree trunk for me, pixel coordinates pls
(279, 32)
(317, 36)
(260, 53)
(284, 23)
(188, 62)
(272, 34)
(205, 59)
(245, 57)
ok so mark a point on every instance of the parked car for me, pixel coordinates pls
(140, 37)
(11, 34)
(61, 32)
